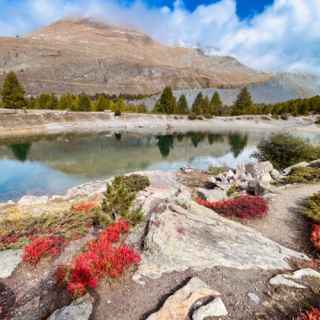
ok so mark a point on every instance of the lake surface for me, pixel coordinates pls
(53, 166)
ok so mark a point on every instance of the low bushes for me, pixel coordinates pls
(312, 208)
(107, 256)
(243, 207)
(302, 175)
(312, 211)
(42, 247)
(71, 225)
(313, 314)
(214, 171)
(284, 150)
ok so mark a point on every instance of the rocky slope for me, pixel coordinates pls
(84, 55)
(279, 88)
(195, 263)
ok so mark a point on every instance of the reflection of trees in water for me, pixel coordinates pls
(214, 138)
(180, 137)
(20, 151)
(237, 143)
(196, 138)
(165, 144)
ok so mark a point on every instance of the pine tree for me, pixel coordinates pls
(243, 104)
(216, 104)
(53, 102)
(84, 103)
(65, 102)
(13, 93)
(102, 104)
(167, 102)
(197, 104)
(205, 106)
(182, 105)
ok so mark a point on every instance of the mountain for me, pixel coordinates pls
(86, 55)
(279, 88)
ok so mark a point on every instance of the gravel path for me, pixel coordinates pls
(285, 224)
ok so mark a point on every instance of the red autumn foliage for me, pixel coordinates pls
(104, 257)
(243, 207)
(313, 314)
(41, 247)
(85, 206)
(315, 236)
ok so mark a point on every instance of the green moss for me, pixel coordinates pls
(214, 171)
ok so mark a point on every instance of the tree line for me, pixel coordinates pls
(243, 105)
(13, 96)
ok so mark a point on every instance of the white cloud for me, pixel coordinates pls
(284, 37)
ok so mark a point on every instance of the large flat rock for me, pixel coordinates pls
(187, 235)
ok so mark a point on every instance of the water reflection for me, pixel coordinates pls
(237, 142)
(165, 144)
(51, 166)
(20, 151)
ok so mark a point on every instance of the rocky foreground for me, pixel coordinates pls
(195, 264)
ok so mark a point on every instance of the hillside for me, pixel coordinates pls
(84, 55)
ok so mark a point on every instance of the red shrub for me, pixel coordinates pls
(315, 236)
(105, 257)
(243, 207)
(85, 206)
(313, 314)
(41, 247)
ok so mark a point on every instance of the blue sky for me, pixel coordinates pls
(245, 8)
(271, 35)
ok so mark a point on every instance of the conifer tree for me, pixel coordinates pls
(182, 105)
(216, 104)
(243, 104)
(84, 103)
(102, 104)
(205, 106)
(167, 102)
(65, 102)
(13, 93)
(197, 104)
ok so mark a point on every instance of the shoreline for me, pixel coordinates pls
(15, 124)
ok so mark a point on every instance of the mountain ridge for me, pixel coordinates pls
(78, 54)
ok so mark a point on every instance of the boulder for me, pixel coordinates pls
(80, 309)
(186, 235)
(314, 164)
(179, 305)
(288, 170)
(275, 174)
(216, 308)
(9, 260)
(212, 195)
(259, 169)
(295, 279)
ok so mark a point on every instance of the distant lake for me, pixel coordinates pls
(52, 166)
